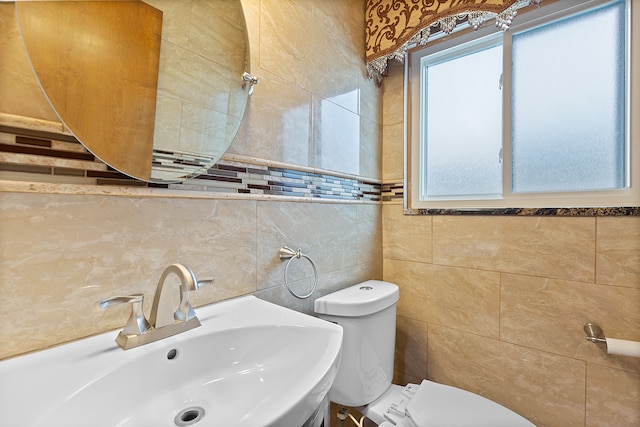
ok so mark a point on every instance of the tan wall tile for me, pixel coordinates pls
(336, 137)
(545, 388)
(69, 251)
(405, 237)
(393, 120)
(413, 290)
(282, 51)
(348, 28)
(393, 94)
(618, 251)
(369, 238)
(393, 152)
(459, 298)
(541, 313)
(222, 22)
(411, 347)
(313, 106)
(613, 397)
(327, 233)
(403, 378)
(370, 100)
(549, 315)
(370, 154)
(561, 248)
(324, 64)
(279, 131)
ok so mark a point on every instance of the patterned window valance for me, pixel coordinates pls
(392, 26)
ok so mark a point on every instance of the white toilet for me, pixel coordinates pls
(367, 314)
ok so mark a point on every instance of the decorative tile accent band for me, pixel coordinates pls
(392, 191)
(50, 157)
(42, 156)
(258, 179)
(187, 164)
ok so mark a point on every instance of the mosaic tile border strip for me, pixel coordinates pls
(50, 157)
(184, 163)
(244, 178)
(392, 191)
(27, 155)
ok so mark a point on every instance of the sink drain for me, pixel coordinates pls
(189, 416)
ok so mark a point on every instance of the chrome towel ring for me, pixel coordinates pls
(291, 254)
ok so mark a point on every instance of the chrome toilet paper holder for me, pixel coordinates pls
(594, 333)
(614, 346)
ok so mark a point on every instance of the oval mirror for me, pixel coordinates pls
(152, 88)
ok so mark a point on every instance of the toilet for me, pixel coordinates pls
(367, 314)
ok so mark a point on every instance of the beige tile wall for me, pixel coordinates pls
(61, 253)
(496, 305)
(309, 57)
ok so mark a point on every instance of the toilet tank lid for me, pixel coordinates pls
(359, 300)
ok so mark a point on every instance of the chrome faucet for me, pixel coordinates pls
(161, 311)
(163, 322)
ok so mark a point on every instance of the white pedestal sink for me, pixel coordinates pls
(251, 363)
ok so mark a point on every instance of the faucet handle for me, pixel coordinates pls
(185, 312)
(137, 323)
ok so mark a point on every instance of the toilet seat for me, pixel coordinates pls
(436, 405)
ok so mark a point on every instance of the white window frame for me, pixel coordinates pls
(627, 197)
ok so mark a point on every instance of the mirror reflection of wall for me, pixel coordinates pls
(200, 98)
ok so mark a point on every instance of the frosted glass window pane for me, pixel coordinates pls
(463, 137)
(568, 104)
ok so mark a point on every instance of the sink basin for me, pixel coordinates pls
(251, 363)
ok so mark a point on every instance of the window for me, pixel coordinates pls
(538, 116)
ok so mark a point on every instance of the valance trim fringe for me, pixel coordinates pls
(387, 38)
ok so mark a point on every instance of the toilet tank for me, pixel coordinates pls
(367, 314)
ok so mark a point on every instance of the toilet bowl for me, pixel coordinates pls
(367, 314)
